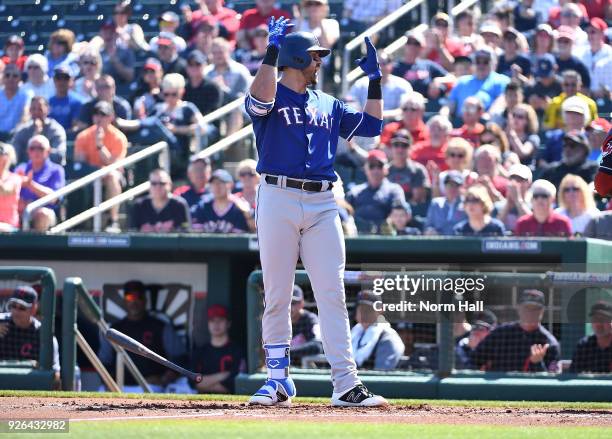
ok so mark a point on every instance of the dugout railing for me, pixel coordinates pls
(20, 374)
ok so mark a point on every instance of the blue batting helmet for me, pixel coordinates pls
(295, 48)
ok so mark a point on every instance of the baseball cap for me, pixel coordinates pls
(165, 41)
(204, 160)
(546, 28)
(578, 138)
(531, 297)
(152, 64)
(489, 27)
(463, 58)
(215, 311)
(485, 319)
(403, 205)
(170, 17)
(441, 16)
(24, 295)
(511, 32)
(376, 155)
(109, 24)
(575, 104)
(454, 176)
(522, 171)
(598, 23)
(14, 40)
(545, 66)
(298, 294)
(565, 32)
(104, 108)
(402, 136)
(62, 69)
(602, 308)
(222, 175)
(415, 36)
(197, 56)
(367, 297)
(482, 53)
(600, 124)
(134, 287)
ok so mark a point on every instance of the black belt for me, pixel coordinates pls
(309, 186)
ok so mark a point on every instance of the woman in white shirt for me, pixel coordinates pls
(576, 202)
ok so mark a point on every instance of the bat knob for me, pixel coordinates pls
(198, 378)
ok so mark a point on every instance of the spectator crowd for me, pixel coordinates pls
(493, 122)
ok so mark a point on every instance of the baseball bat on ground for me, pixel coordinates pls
(132, 345)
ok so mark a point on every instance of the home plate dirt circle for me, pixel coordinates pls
(123, 409)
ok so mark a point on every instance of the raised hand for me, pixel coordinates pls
(276, 30)
(369, 63)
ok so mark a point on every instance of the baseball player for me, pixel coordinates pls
(603, 178)
(296, 132)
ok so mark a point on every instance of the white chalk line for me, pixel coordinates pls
(149, 417)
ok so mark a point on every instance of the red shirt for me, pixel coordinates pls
(595, 8)
(20, 61)
(419, 132)
(555, 225)
(251, 18)
(226, 17)
(472, 136)
(423, 152)
(454, 47)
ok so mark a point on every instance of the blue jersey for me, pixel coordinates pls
(297, 133)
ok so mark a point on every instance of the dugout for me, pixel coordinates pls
(219, 266)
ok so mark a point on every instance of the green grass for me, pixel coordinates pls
(307, 400)
(327, 430)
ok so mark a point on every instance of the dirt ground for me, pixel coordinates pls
(109, 408)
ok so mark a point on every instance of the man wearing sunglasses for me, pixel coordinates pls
(161, 211)
(486, 84)
(65, 104)
(20, 330)
(410, 175)
(40, 177)
(543, 221)
(14, 102)
(574, 160)
(153, 332)
(373, 200)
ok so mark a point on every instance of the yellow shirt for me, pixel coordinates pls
(553, 116)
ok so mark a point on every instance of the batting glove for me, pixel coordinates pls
(369, 63)
(276, 31)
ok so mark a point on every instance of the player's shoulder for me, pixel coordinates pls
(357, 189)
(587, 341)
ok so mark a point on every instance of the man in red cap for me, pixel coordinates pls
(219, 360)
(13, 52)
(373, 200)
(566, 42)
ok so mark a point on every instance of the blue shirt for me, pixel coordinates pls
(487, 90)
(373, 205)
(11, 110)
(443, 216)
(297, 133)
(51, 175)
(65, 110)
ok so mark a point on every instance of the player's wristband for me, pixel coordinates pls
(374, 89)
(271, 57)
